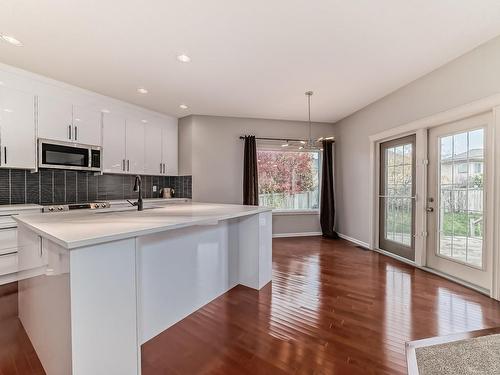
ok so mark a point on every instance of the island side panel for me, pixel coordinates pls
(104, 309)
(44, 300)
(181, 270)
(255, 250)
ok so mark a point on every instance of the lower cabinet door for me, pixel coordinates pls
(8, 263)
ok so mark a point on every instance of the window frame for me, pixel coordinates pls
(298, 211)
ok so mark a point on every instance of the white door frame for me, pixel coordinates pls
(419, 127)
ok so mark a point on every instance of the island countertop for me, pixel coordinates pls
(72, 230)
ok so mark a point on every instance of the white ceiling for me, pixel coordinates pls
(251, 58)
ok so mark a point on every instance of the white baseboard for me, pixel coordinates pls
(6, 279)
(354, 240)
(300, 234)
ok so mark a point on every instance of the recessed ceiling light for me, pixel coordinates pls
(184, 58)
(144, 121)
(183, 106)
(104, 110)
(77, 119)
(142, 90)
(8, 110)
(10, 39)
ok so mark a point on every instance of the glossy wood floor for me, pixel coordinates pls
(332, 309)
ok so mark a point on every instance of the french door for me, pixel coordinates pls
(397, 197)
(459, 200)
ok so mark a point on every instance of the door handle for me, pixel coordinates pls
(430, 209)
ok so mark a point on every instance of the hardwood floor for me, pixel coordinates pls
(332, 308)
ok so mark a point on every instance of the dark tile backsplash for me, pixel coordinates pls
(48, 186)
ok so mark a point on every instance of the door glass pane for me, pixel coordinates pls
(398, 193)
(461, 179)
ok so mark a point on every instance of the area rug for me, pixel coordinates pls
(475, 356)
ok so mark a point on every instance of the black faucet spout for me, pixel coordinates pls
(138, 188)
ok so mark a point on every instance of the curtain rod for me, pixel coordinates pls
(279, 139)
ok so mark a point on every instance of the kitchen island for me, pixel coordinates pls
(97, 285)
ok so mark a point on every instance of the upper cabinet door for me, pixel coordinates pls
(170, 152)
(135, 146)
(17, 129)
(86, 126)
(153, 149)
(113, 143)
(55, 118)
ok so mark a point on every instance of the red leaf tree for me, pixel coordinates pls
(285, 172)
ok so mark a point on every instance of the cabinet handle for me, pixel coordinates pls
(123, 167)
(164, 168)
(161, 165)
(69, 131)
(128, 165)
(5, 154)
(76, 133)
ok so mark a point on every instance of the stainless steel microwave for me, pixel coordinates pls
(68, 155)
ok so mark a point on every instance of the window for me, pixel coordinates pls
(288, 180)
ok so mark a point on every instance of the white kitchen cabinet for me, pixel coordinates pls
(153, 162)
(113, 143)
(61, 120)
(9, 243)
(169, 147)
(17, 129)
(86, 125)
(55, 118)
(134, 146)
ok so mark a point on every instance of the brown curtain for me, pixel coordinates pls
(250, 177)
(327, 207)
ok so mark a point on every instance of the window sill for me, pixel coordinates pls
(295, 212)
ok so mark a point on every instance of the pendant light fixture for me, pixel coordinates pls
(311, 143)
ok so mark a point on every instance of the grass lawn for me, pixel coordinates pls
(457, 223)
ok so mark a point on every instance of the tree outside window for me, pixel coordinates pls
(288, 180)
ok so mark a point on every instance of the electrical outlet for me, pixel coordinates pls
(154, 188)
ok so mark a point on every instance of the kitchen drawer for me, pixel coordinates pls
(8, 240)
(6, 221)
(8, 264)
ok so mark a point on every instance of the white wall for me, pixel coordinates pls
(215, 159)
(470, 77)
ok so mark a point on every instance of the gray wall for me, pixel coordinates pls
(470, 77)
(212, 153)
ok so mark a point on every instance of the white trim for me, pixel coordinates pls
(295, 212)
(9, 278)
(495, 290)
(299, 234)
(355, 241)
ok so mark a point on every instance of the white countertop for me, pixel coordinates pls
(85, 228)
(19, 207)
